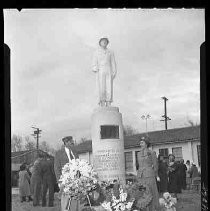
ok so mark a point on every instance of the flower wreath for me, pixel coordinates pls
(77, 179)
(141, 193)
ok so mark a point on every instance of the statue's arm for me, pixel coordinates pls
(114, 65)
(95, 63)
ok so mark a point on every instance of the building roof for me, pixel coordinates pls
(156, 137)
(84, 147)
(165, 136)
(25, 152)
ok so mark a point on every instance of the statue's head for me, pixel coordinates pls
(103, 42)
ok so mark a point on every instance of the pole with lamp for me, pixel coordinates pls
(145, 117)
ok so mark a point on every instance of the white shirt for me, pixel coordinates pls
(68, 153)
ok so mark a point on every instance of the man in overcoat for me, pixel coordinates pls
(49, 180)
(36, 180)
(62, 157)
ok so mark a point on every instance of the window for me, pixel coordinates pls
(163, 152)
(199, 154)
(109, 132)
(128, 161)
(177, 152)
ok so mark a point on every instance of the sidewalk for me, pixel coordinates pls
(187, 201)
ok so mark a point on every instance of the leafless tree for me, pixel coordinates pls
(29, 144)
(82, 140)
(44, 146)
(191, 123)
(129, 130)
(47, 148)
(16, 143)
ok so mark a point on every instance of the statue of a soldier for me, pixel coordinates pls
(105, 66)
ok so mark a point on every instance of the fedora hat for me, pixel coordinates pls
(68, 138)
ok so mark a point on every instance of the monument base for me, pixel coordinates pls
(108, 143)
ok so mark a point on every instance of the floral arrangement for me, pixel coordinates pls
(168, 202)
(120, 203)
(132, 196)
(141, 193)
(77, 179)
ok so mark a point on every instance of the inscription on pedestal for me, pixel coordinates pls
(107, 163)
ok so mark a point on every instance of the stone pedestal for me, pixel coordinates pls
(108, 143)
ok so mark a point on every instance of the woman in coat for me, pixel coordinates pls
(182, 169)
(147, 171)
(24, 181)
(173, 176)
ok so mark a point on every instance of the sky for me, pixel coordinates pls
(52, 84)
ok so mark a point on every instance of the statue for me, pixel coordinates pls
(104, 66)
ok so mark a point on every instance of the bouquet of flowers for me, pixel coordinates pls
(77, 179)
(118, 203)
(168, 202)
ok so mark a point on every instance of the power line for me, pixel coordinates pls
(166, 118)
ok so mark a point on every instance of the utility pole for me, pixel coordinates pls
(36, 133)
(166, 118)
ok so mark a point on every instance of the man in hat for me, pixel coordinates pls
(105, 66)
(62, 157)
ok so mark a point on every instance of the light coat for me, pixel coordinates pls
(24, 187)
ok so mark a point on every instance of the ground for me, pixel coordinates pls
(188, 201)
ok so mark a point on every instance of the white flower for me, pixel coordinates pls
(123, 197)
(107, 206)
(166, 195)
(129, 205)
(174, 200)
(120, 206)
(161, 201)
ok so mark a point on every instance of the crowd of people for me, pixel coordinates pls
(36, 180)
(175, 176)
(160, 174)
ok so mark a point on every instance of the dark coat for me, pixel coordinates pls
(173, 178)
(60, 160)
(49, 181)
(182, 175)
(47, 170)
(162, 173)
(194, 172)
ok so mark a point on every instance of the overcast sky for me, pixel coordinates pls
(53, 86)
